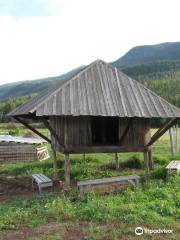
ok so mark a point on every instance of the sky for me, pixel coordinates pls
(45, 38)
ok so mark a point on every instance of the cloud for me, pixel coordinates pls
(78, 32)
(25, 8)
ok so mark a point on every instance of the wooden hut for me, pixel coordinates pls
(99, 109)
(14, 149)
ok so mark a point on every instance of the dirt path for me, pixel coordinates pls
(12, 187)
(81, 231)
(64, 230)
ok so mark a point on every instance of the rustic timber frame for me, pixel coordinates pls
(99, 109)
(128, 133)
(75, 134)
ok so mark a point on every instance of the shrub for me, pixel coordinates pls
(134, 162)
(158, 173)
(160, 160)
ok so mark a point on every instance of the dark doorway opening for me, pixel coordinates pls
(104, 130)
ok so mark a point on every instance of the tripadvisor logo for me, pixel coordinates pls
(139, 231)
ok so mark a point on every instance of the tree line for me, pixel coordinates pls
(8, 105)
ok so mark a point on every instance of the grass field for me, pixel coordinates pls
(62, 215)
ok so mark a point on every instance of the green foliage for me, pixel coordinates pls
(8, 105)
(27, 169)
(135, 161)
(156, 203)
(158, 173)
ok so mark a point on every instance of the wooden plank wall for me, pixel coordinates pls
(72, 131)
(76, 132)
(138, 134)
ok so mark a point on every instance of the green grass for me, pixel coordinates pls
(156, 204)
(94, 166)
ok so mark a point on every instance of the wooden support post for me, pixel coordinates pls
(146, 163)
(55, 167)
(67, 171)
(116, 161)
(151, 163)
(162, 130)
(173, 133)
(53, 133)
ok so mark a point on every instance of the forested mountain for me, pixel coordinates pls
(149, 53)
(161, 73)
(26, 88)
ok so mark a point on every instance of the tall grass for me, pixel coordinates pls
(157, 203)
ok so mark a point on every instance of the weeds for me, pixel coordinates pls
(156, 203)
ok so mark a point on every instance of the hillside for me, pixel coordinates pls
(26, 88)
(149, 53)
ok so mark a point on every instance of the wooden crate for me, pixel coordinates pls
(173, 166)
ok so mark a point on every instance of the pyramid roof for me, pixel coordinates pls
(98, 90)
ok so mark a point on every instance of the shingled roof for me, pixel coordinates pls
(98, 90)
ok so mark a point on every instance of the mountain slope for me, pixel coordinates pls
(26, 88)
(149, 53)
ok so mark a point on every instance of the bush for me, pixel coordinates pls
(158, 173)
(134, 162)
(161, 160)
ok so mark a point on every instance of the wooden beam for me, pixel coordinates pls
(146, 164)
(162, 130)
(173, 134)
(55, 167)
(125, 131)
(116, 161)
(104, 149)
(54, 157)
(151, 163)
(53, 132)
(67, 171)
(32, 129)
